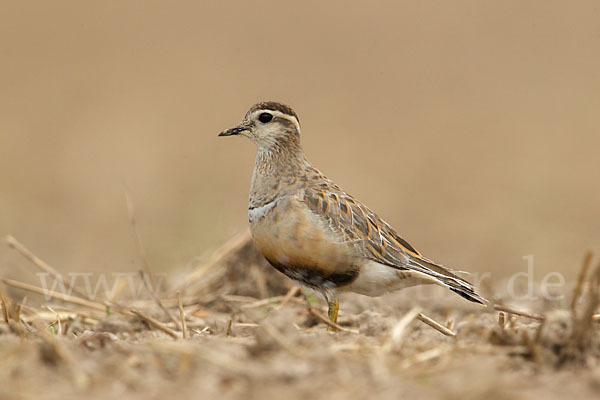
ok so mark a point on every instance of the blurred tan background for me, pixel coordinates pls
(472, 127)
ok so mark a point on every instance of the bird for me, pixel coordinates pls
(317, 234)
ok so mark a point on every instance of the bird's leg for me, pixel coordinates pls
(334, 307)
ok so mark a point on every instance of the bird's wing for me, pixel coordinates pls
(375, 239)
(361, 227)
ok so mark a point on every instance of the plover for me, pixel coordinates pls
(317, 234)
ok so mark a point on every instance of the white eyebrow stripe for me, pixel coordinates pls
(278, 114)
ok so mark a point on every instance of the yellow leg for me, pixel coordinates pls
(334, 307)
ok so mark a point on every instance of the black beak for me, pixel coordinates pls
(232, 131)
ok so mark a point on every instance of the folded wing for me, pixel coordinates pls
(376, 240)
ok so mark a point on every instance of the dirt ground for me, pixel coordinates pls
(251, 338)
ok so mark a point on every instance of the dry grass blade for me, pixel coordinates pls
(41, 264)
(243, 299)
(584, 320)
(4, 309)
(18, 312)
(149, 283)
(288, 296)
(182, 317)
(228, 327)
(58, 323)
(155, 323)
(400, 329)
(510, 310)
(15, 244)
(264, 302)
(435, 325)
(138, 239)
(155, 297)
(326, 320)
(246, 325)
(501, 320)
(60, 296)
(425, 356)
(3, 303)
(587, 261)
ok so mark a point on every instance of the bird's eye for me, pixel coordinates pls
(265, 117)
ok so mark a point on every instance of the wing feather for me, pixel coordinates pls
(375, 239)
(346, 215)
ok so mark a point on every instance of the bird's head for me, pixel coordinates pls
(269, 124)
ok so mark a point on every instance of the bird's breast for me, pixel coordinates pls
(291, 237)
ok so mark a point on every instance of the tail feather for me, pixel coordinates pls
(445, 277)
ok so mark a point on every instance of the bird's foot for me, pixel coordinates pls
(334, 307)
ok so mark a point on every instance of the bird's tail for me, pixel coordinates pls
(446, 277)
